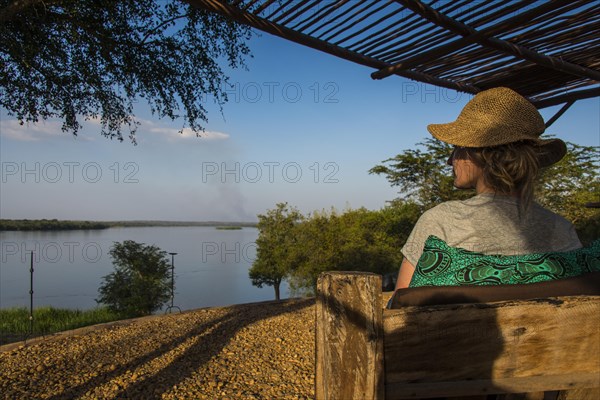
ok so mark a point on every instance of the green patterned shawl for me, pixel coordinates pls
(442, 265)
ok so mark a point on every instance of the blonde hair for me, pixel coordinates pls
(509, 168)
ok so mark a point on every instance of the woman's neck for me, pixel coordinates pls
(482, 188)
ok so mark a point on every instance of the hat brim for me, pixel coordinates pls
(550, 151)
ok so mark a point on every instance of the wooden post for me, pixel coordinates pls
(349, 337)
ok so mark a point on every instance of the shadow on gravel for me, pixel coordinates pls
(182, 367)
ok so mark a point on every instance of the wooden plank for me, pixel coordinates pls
(528, 396)
(425, 390)
(503, 347)
(559, 99)
(349, 337)
(580, 394)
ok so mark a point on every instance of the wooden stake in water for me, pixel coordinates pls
(171, 307)
(31, 296)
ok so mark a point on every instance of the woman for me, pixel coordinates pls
(498, 153)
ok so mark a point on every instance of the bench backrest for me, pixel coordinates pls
(365, 352)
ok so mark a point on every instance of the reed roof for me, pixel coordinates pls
(549, 51)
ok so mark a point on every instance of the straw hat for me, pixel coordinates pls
(500, 116)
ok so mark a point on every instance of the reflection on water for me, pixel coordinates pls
(211, 267)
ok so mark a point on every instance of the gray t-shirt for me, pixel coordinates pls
(492, 224)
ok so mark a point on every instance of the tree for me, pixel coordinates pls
(273, 247)
(423, 175)
(298, 249)
(568, 185)
(572, 182)
(356, 240)
(73, 59)
(141, 282)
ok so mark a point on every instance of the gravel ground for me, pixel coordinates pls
(262, 351)
(249, 351)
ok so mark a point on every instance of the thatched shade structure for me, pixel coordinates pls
(549, 51)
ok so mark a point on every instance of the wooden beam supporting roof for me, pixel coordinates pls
(468, 39)
(519, 51)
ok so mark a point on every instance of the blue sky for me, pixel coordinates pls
(300, 126)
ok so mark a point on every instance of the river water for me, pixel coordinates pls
(211, 265)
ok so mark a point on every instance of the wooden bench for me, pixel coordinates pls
(479, 349)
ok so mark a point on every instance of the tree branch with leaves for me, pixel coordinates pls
(83, 59)
(422, 174)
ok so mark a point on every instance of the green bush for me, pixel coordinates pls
(141, 282)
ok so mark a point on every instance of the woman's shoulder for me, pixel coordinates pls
(435, 211)
(541, 210)
(453, 207)
(541, 214)
(441, 216)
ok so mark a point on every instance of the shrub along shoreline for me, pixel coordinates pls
(64, 225)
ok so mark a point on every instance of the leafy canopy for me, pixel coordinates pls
(274, 246)
(141, 281)
(568, 185)
(298, 248)
(422, 174)
(355, 240)
(73, 59)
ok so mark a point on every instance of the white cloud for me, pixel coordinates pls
(52, 129)
(29, 132)
(172, 134)
(34, 132)
(207, 135)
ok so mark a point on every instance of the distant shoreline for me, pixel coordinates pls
(64, 225)
(183, 223)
